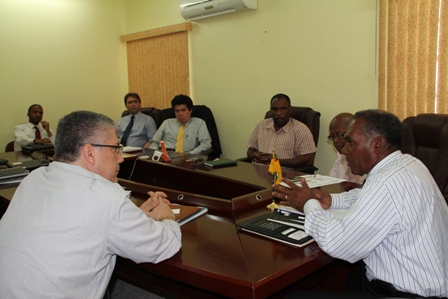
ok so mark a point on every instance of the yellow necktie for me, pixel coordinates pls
(180, 139)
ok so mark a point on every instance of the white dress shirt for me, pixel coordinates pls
(63, 229)
(25, 134)
(342, 171)
(397, 223)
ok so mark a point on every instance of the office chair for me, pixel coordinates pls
(425, 137)
(9, 147)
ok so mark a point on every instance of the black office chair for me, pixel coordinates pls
(203, 112)
(9, 147)
(311, 119)
(425, 137)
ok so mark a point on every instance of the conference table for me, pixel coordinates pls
(217, 260)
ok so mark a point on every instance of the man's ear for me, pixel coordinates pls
(88, 154)
(379, 144)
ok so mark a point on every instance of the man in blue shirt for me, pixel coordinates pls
(135, 129)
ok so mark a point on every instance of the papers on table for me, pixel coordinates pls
(315, 180)
(130, 149)
(12, 177)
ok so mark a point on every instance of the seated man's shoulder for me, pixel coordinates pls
(20, 126)
(265, 122)
(298, 125)
(197, 120)
(296, 122)
(148, 118)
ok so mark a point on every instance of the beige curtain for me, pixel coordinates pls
(158, 64)
(412, 77)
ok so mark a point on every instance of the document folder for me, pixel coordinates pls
(187, 213)
(281, 226)
(220, 163)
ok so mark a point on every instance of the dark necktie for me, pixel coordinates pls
(127, 132)
(37, 136)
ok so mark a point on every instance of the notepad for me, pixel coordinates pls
(185, 214)
(220, 163)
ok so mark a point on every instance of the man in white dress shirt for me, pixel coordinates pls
(338, 127)
(35, 131)
(67, 222)
(397, 223)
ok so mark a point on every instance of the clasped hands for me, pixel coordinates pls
(262, 158)
(45, 141)
(296, 196)
(157, 206)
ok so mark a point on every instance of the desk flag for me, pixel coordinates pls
(275, 169)
(164, 157)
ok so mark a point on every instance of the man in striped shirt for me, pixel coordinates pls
(397, 223)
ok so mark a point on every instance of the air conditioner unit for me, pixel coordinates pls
(198, 9)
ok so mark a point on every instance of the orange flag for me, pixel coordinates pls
(275, 169)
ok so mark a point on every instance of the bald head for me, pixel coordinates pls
(338, 127)
(341, 119)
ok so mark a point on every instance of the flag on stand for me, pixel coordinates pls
(275, 169)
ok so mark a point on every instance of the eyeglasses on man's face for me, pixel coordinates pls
(119, 148)
(336, 136)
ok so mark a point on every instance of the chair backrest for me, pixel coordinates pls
(307, 116)
(425, 137)
(203, 112)
(151, 111)
(9, 147)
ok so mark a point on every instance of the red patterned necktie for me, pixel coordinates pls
(37, 133)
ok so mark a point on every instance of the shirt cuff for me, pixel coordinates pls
(311, 205)
(337, 201)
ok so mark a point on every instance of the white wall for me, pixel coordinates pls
(319, 52)
(63, 54)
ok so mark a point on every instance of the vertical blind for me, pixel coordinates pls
(158, 66)
(413, 57)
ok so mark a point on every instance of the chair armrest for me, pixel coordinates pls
(244, 159)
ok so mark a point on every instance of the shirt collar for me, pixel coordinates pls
(386, 160)
(285, 128)
(186, 124)
(137, 115)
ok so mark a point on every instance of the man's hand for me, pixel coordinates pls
(45, 141)
(46, 127)
(157, 207)
(262, 158)
(296, 196)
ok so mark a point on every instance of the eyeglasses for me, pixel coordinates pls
(336, 136)
(119, 148)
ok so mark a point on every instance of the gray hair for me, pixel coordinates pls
(78, 128)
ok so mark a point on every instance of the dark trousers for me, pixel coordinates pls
(359, 288)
